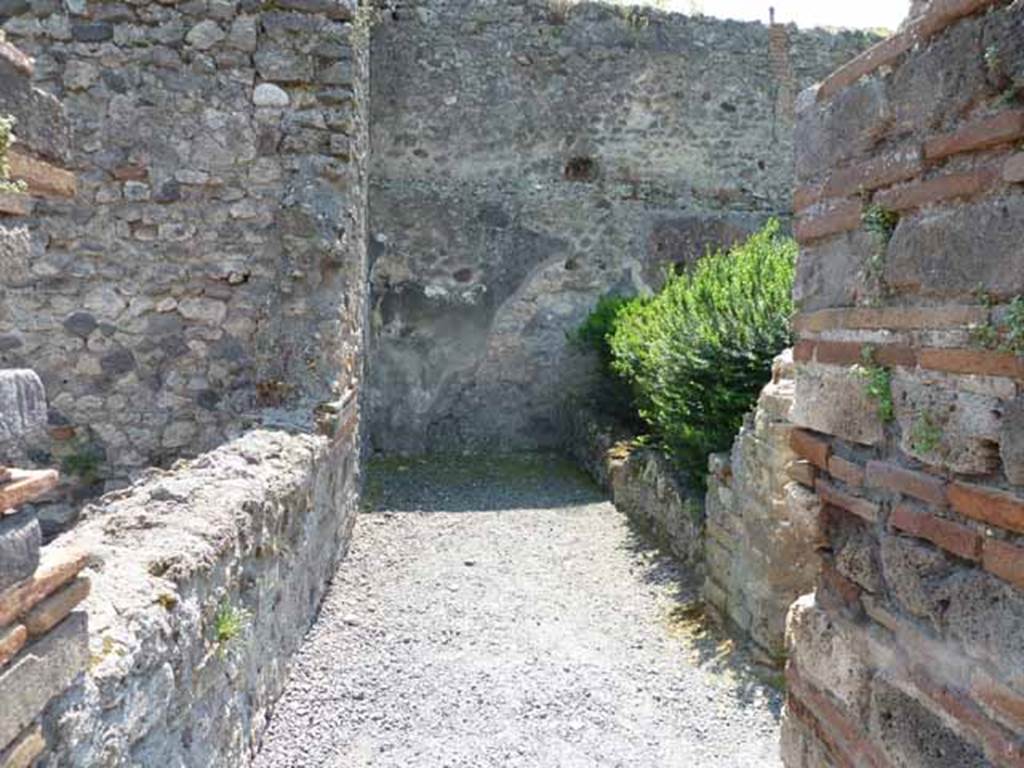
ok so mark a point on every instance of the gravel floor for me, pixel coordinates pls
(517, 621)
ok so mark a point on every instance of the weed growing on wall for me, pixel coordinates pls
(926, 434)
(1006, 334)
(229, 623)
(877, 385)
(697, 355)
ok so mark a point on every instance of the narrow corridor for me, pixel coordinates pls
(499, 612)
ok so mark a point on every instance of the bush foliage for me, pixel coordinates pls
(696, 355)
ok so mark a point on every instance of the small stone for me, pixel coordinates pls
(80, 324)
(269, 95)
(205, 35)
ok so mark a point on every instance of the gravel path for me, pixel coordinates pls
(516, 622)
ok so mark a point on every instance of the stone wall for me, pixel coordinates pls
(213, 262)
(205, 579)
(762, 531)
(908, 390)
(43, 645)
(642, 482)
(528, 160)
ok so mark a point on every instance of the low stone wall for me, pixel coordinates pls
(762, 527)
(642, 482)
(909, 399)
(205, 579)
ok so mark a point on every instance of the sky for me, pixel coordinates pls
(806, 13)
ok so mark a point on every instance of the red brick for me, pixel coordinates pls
(972, 361)
(946, 187)
(26, 485)
(878, 55)
(838, 352)
(892, 318)
(12, 639)
(806, 196)
(57, 569)
(987, 505)
(950, 536)
(906, 481)
(1013, 169)
(825, 734)
(48, 613)
(841, 217)
(131, 173)
(814, 449)
(942, 13)
(803, 351)
(1006, 704)
(850, 472)
(802, 472)
(874, 173)
(1005, 561)
(15, 58)
(42, 178)
(867, 510)
(989, 132)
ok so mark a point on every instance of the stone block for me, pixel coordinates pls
(945, 426)
(834, 401)
(911, 734)
(42, 670)
(829, 273)
(827, 653)
(20, 539)
(22, 408)
(926, 253)
(1011, 440)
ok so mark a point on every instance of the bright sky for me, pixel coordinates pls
(806, 13)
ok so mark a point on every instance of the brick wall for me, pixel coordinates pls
(908, 393)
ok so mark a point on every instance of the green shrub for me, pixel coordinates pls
(698, 353)
(613, 395)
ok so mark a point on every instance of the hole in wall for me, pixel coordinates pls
(581, 168)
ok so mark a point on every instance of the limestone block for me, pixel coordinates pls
(926, 251)
(42, 670)
(911, 734)
(22, 409)
(1011, 441)
(946, 426)
(826, 653)
(20, 539)
(834, 401)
